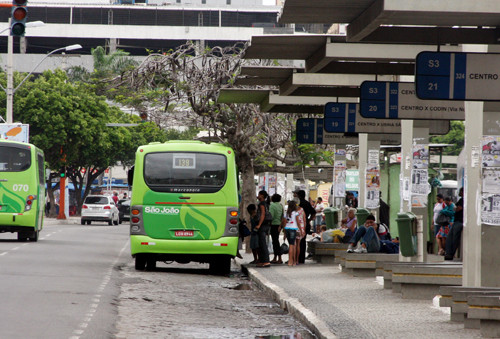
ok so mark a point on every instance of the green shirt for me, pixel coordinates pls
(276, 211)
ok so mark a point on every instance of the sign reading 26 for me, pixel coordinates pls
(20, 188)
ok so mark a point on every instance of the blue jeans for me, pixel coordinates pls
(368, 236)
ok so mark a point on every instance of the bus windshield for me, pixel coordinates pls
(14, 159)
(185, 169)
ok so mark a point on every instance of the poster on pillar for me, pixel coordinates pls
(340, 178)
(372, 199)
(372, 183)
(420, 156)
(420, 182)
(490, 145)
(491, 180)
(490, 209)
(272, 184)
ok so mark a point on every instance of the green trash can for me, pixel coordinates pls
(407, 227)
(361, 215)
(331, 217)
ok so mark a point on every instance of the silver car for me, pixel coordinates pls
(99, 208)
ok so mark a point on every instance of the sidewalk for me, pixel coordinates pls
(55, 221)
(336, 305)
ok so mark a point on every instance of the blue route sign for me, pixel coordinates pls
(346, 118)
(398, 100)
(458, 76)
(311, 131)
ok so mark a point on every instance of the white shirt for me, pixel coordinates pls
(319, 209)
(291, 221)
(437, 208)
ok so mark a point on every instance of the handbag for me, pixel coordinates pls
(284, 248)
(442, 219)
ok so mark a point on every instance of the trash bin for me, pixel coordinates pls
(407, 227)
(361, 215)
(331, 217)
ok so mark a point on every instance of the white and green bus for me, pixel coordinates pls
(22, 189)
(184, 205)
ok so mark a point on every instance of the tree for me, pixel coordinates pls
(195, 77)
(456, 137)
(68, 121)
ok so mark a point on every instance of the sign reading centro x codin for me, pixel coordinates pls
(398, 100)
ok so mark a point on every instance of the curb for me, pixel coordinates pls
(289, 304)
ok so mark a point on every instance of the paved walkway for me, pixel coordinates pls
(336, 305)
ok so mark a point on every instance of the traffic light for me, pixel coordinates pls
(62, 172)
(18, 17)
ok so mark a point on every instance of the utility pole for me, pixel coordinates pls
(10, 78)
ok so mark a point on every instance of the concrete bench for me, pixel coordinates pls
(485, 309)
(367, 264)
(423, 280)
(327, 253)
(456, 298)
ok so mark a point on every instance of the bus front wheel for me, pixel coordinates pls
(22, 236)
(140, 262)
(34, 236)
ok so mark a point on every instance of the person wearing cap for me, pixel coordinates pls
(300, 195)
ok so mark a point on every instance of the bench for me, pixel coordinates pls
(326, 253)
(423, 280)
(456, 298)
(366, 264)
(485, 308)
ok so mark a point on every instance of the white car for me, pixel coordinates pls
(99, 208)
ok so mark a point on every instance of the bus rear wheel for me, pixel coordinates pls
(221, 265)
(34, 236)
(140, 262)
(22, 236)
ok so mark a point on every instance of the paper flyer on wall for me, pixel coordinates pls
(420, 156)
(373, 157)
(372, 199)
(420, 182)
(490, 151)
(340, 177)
(406, 189)
(419, 201)
(491, 180)
(490, 209)
(372, 180)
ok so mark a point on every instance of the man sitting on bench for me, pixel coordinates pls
(367, 234)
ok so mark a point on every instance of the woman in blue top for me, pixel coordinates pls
(449, 211)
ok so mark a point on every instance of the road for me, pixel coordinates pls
(63, 285)
(79, 282)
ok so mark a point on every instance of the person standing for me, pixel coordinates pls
(453, 240)
(449, 211)
(437, 208)
(318, 207)
(115, 198)
(263, 226)
(276, 210)
(291, 230)
(310, 213)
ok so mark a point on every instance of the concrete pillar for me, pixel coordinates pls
(471, 235)
(414, 131)
(362, 157)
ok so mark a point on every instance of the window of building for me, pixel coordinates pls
(228, 2)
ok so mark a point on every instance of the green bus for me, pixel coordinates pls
(184, 205)
(22, 189)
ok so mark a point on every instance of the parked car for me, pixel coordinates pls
(99, 208)
(124, 210)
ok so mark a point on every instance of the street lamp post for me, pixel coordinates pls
(10, 90)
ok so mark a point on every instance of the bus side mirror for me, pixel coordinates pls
(130, 176)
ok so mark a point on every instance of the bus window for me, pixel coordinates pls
(173, 169)
(14, 159)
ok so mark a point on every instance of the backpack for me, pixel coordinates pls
(386, 235)
(387, 246)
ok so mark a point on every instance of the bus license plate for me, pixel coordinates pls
(184, 233)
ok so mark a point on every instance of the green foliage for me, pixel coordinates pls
(456, 136)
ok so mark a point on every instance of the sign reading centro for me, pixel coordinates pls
(458, 76)
(397, 100)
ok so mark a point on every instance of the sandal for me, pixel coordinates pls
(264, 264)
